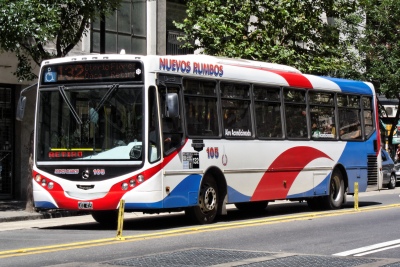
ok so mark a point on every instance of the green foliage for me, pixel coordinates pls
(290, 32)
(42, 29)
(381, 48)
(381, 45)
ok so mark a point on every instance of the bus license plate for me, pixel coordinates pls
(85, 205)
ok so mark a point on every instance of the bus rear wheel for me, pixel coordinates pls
(336, 197)
(106, 217)
(206, 210)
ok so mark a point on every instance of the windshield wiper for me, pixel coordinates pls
(71, 108)
(110, 91)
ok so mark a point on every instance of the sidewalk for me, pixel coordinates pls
(14, 210)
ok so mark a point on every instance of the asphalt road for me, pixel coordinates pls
(285, 234)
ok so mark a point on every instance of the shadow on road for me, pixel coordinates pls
(178, 220)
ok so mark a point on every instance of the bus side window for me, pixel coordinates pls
(349, 117)
(322, 115)
(235, 100)
(268, 112)
(368, 118)
(296, 113)
(201, 107)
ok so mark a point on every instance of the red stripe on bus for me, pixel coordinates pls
(294, 79)
(278, 179)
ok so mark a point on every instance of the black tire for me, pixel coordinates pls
(392, 182)
(106, 217)
(206, 210)
(252, 206)
(336, 196)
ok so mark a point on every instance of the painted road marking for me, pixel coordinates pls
(370, 249)
(186, 231)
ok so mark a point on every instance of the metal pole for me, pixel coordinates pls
(120, 219)
(356, 196)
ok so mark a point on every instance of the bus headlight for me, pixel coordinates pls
(44, 182)
(38, 178)
(124, 186)
(140, 178)
(50, 185)
(132, 183)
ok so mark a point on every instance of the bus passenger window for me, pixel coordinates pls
(235, 99)
(349, 117)
(268, 112)
(368, 118)
(296, 113)
(201, 108)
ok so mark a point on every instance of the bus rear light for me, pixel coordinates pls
(140, 178)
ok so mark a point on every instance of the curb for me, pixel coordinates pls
(42, 215)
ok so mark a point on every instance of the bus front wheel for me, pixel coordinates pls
(336, 197)
(206, 210)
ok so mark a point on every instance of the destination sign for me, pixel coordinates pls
(103, 71)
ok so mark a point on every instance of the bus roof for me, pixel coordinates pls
(241, 70)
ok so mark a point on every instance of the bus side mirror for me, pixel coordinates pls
(172, 105)
(21, 108)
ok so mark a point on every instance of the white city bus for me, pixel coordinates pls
(194, 133)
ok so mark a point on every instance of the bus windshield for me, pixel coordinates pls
(90, 123)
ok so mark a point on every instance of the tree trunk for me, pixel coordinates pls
(29, 189)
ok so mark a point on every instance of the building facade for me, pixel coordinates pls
(138, 27)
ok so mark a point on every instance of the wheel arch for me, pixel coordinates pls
(219, 178)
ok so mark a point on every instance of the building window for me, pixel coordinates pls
(125, 29)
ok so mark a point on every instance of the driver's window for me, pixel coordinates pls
(172, 133)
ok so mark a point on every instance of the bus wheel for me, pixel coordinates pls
(252, 206)
(106, 217)
(336, 197)
(206, 210)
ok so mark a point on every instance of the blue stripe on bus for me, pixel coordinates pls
(45, 205)
(236, 196)
(185, 194)
(350, 86)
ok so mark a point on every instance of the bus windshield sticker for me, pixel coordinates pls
(191, 160)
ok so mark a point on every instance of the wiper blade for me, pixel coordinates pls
(110, 91)
(71, 108)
